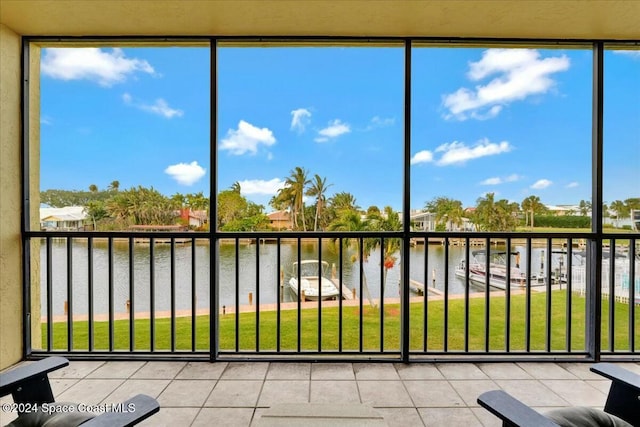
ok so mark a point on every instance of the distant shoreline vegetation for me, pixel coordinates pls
(115, 209)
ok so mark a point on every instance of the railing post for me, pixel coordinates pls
(406, 210)
(26, 205)
(594, 245)
(214, 244)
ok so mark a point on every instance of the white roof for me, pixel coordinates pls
(68, 213)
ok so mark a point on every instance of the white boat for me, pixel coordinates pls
(497, 270)
(314, 283)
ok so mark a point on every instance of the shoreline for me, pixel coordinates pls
(246, 308)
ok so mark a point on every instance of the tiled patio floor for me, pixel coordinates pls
(236, 394)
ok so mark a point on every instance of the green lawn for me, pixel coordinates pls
(371, 328)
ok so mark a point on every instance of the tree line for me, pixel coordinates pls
(112, 208)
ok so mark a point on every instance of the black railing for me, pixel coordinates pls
(333, 296)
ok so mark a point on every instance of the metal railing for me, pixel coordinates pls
(227, 296)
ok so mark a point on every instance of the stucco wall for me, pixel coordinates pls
(34, 191)
(10, 245)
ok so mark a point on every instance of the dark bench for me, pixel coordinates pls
(622, 405)
(29, 385)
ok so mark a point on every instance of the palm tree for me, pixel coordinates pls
(585, 207)
(235, 187)
(350, 220)
(318, 188)
(387, 221)
(179, 200)
(297, 182)
(114, 186)
(621, 210)
(448, 211)
(284, 200)
(93, 188)
(343, 201)
(526, 206)
(533, 205)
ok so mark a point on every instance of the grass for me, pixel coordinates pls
(328, 339)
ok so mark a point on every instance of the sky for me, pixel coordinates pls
(514, 122)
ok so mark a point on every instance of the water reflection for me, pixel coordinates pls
(260, 272)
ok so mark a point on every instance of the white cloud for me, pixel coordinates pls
(334, 129)
(246, 139)
(457, 152)
(520, 73)
(300, 119)
(424, 156)
(104, 67)
(572, 185)
(186, 173)
(259, 186)
(492, 181)
(160, 107)
(46, 120)
(378, 122)
(541, 184)
(631, 53)
(497, 180)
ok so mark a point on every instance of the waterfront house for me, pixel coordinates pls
(280, 220)
(66, 218)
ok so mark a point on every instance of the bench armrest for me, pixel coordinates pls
(511, 411)
(623, 399)
(131, 412)
(29, 382)
(617, 374)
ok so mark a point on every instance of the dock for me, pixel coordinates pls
(348, 294)
(419, 288)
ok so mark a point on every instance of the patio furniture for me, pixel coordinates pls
(33, 400)
(622, 407)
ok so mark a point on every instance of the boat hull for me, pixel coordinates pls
(498, 277)
(310, 290)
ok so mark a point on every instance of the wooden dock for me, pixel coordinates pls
(419, 288)
(348, 294)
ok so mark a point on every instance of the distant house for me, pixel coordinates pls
(423, 221)
(195, 219)
(280, 220)
(426, 221)
(561, 210)
(65, 219)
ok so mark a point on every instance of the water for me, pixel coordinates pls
(261, 281)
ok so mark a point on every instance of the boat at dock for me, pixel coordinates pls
(315, 284)
(496, 276)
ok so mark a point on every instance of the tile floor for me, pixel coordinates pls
(237, 393)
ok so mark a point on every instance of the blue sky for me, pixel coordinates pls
(516, 122)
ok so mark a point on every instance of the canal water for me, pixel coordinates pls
(258, 272)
